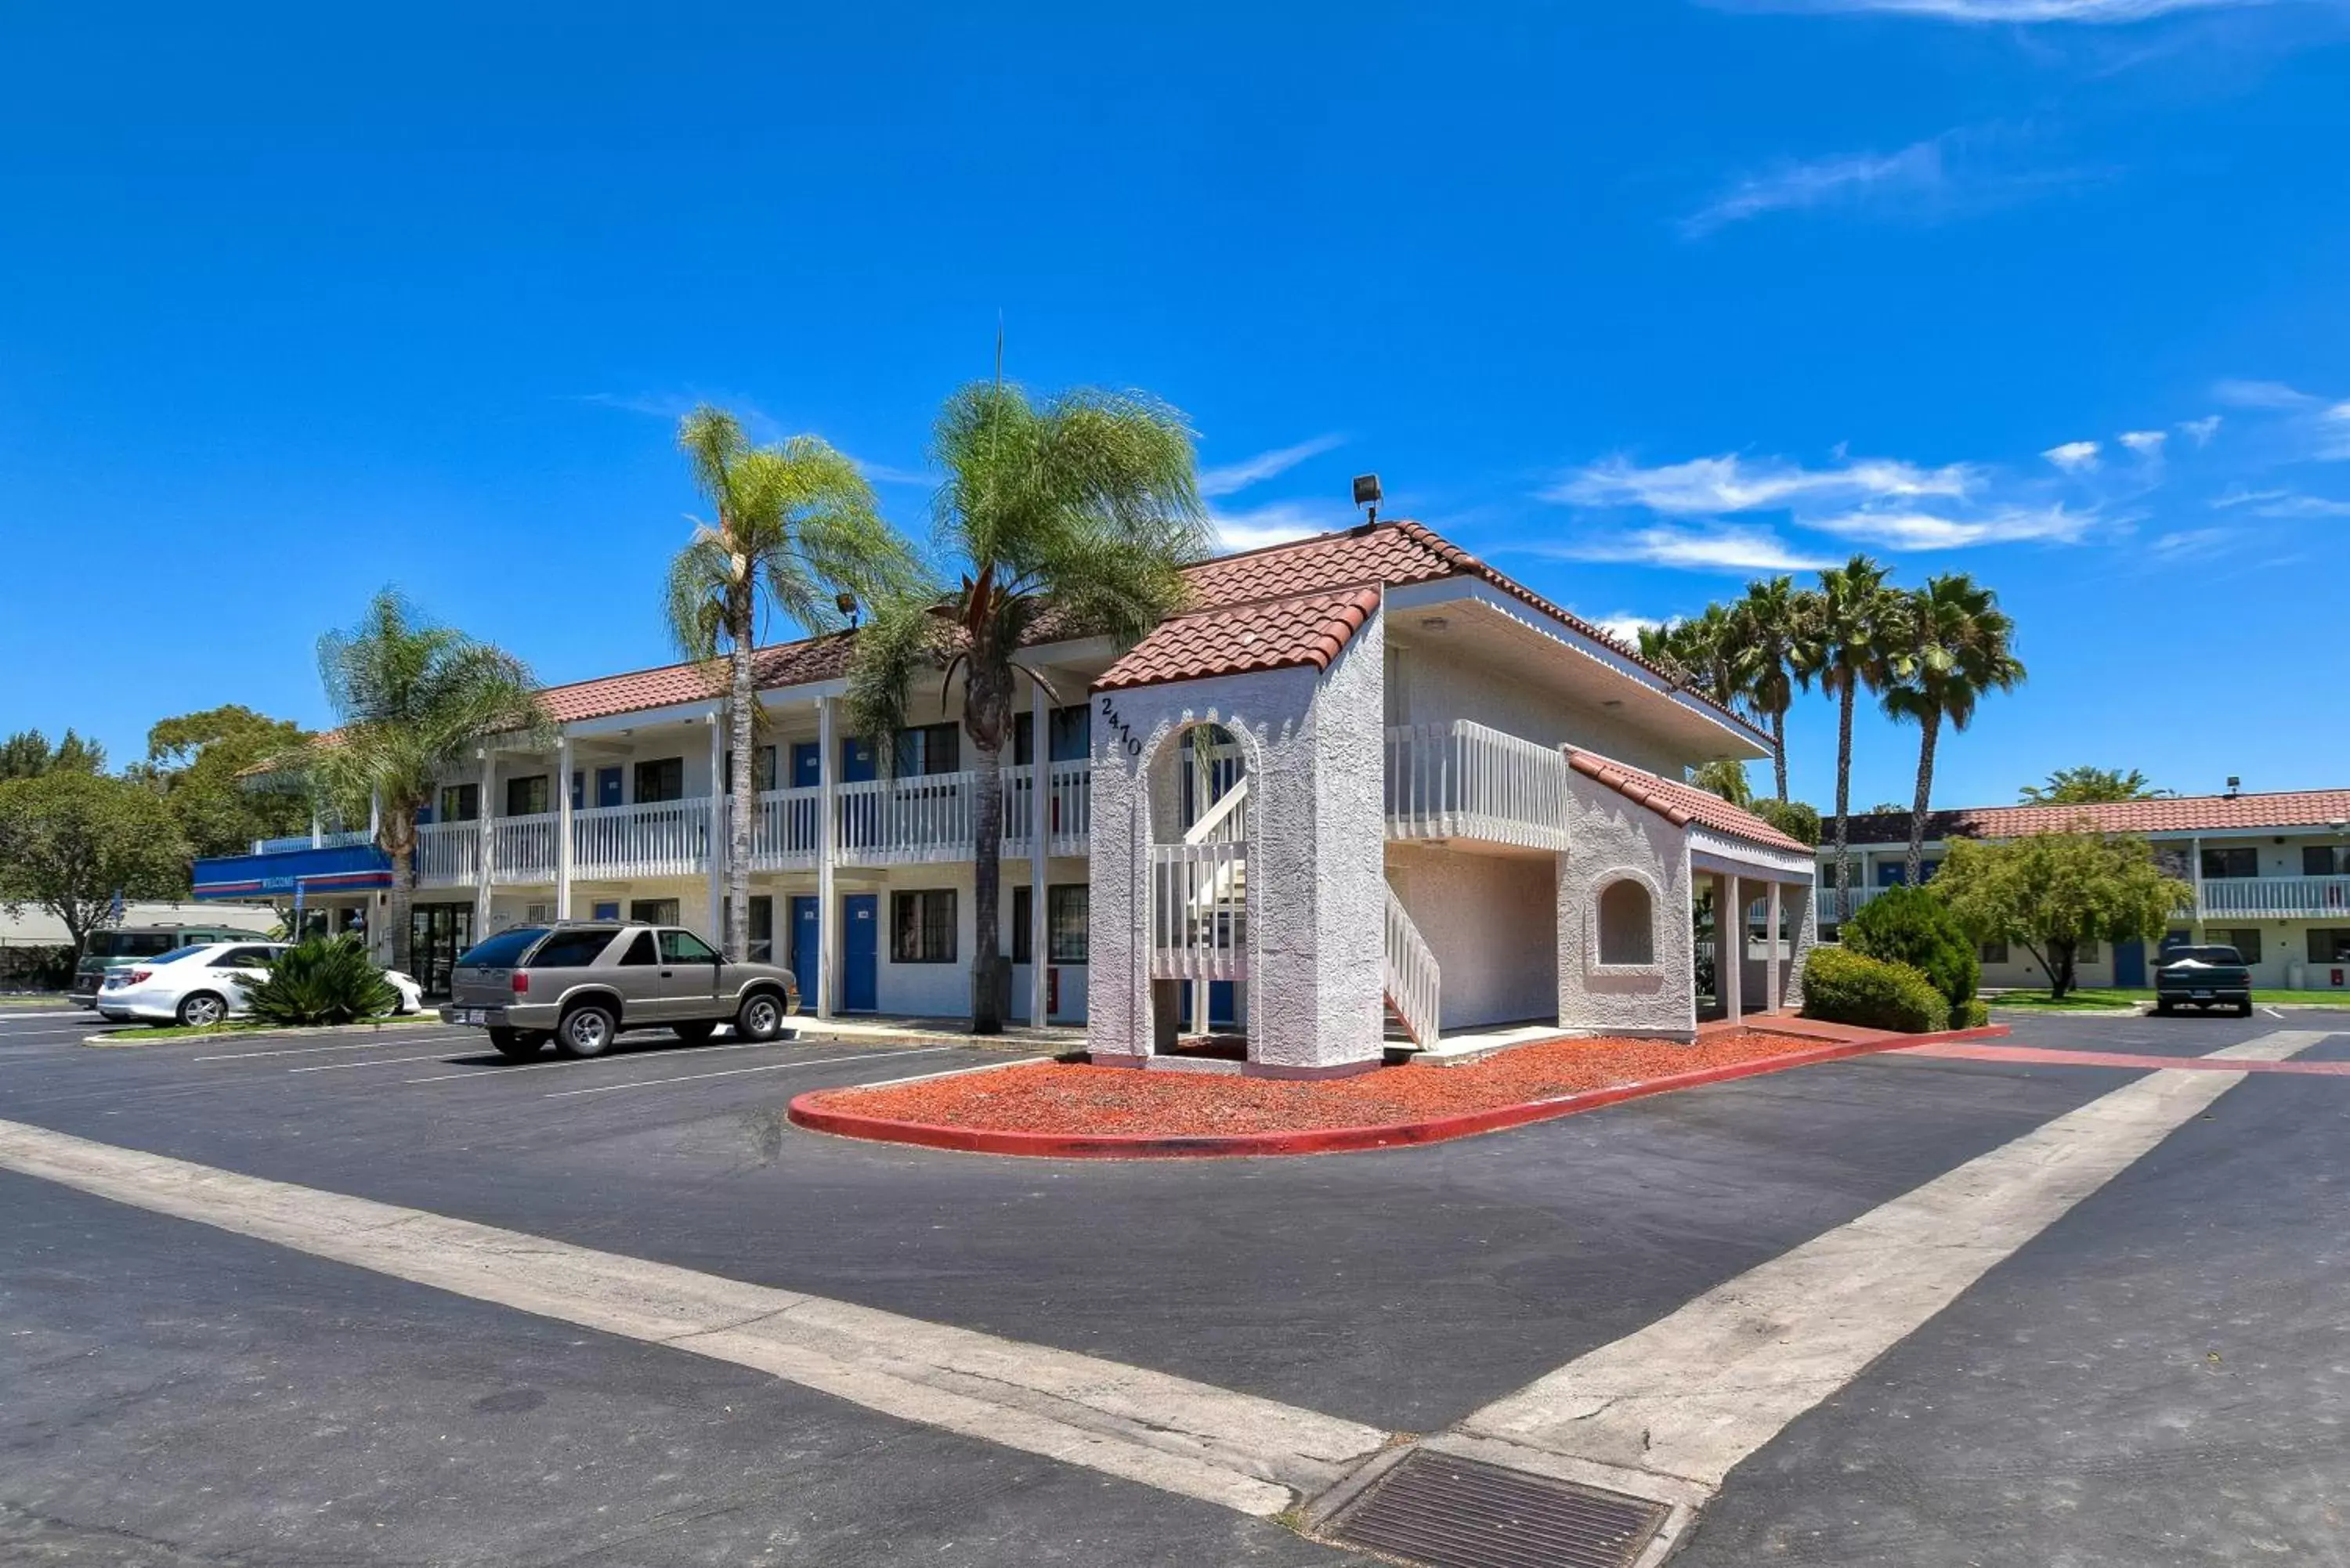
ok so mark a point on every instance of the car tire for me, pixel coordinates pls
(2161, 1008)
(2244, 1008)
(587, 1031)
(516, 1044)
(200, 1010)
(760, 1016)
(693, 1033)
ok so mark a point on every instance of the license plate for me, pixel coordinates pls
(2198, 996)
(471, 1015)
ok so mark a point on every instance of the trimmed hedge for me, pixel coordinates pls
(1845, 987)
(1913, 926)
(1973, 1015)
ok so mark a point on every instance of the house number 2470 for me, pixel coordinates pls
(1125, 735)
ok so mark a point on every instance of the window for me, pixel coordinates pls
(2223, 863)
(243, 958)
(574, 948)
(502, 950)
(930, 749)
(1023, 913)
(2086, 952)
(537, 914)
(1066, 924)
(640, 952)
(528, 798)
(653, 911)
(578, 789)
(461, 803)
(2324, 860)
(2245, 940)
(608, 910)
(663, 779)
(761, 947)
(684, 947)
(2331, 945)
(1627, 924)
(1991, 953)
(922, 927)
(1069, 735)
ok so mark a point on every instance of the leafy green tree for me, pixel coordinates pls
(1842, 646)
(415, 699)
(1726, 779)
(1085, 506)
(794, 526)
(2053, 891)
(1793, 817)
(28, 754)
(322, 981)
(71, 839)
(1913, 925)
(2087, 785)
(198, 762)
(1953, 645)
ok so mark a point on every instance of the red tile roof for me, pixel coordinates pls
(1681, 804)
(779, 664)
(1279, 633)
(2179, 814)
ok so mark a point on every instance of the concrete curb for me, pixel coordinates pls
(1330, 1140)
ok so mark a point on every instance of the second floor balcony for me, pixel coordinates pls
(2223, 898)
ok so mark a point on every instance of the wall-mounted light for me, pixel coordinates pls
(1367, 495)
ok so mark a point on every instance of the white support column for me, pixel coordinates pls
(488, 846)
(1775, 990)
(827, 898)
(1039, 846)
(1729, 945)
(563, 828)
(2195, 850)
(317, 829)
(721, 836)
(375, 815)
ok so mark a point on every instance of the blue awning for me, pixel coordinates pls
(341, 868)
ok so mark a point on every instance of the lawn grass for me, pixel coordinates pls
(2091, 1000)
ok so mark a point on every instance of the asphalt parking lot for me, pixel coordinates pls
(2157, 1378)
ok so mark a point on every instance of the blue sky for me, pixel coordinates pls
(1635, 299)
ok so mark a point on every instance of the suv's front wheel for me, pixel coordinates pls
(760, 1016)
(587, 1031)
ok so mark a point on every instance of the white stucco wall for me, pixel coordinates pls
(1438, 685)
(1492, 923)
(1614, 839)
(1316, 887)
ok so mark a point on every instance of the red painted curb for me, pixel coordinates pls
(1328, 1140)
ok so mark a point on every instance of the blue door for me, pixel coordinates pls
(607, 786)
(861, 953)
(855, 760)
(808, 764)
(808, 934)
(2129, 965)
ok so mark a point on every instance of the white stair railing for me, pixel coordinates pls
(1465, 780)
(1414, 985)
(1199, 912)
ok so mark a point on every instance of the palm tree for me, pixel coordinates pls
(1843, 647)
(1705, 649)
(1768, 625)
(1955, 645)
(415, 698)
(1083, 506)
(2086, 784)
(796, 526)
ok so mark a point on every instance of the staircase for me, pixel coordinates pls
(1414, 988)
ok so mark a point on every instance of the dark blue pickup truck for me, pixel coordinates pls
(2204, 978)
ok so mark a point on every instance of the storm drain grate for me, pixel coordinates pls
(1447, 1512)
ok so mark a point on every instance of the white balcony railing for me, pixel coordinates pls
(915, 817)
(1463, 780)
(522, 848)
(1835, 910)
(1414, 984)
(1068, 807)
(671, 839)
(788, 831)
(338, 840)
(2276, 897)
(448, 854)
(1199, 912)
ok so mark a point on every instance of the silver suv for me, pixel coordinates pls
(579, 984)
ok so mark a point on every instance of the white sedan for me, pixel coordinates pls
(205, 983)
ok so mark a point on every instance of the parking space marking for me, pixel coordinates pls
(738, 1072)
(500, 1069)
(320, 1050)
(1238, 1450)
(1681, 1402)
(441, 1055)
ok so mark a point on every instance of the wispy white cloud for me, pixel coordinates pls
(2074, 456)
(2188, 543)
(2146, 443)
(1797, 186)
(1238, 476)
(2276, 395)
(1276, 523)
(1923, 530)
(1723, 549)
(2108, 13)
(1708, 486)
(1625, 627)
(2201, 430)
(2282, 504)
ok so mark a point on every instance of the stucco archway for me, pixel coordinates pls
(1196, 787)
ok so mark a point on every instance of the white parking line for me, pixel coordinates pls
(316, 1050)
(383, 1062)
(2272, 1012)
(501, 1070)
(738, 1072)
(1239, 1450)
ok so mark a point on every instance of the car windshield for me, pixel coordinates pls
(502, 951)
(2203, 955)
(130, 944)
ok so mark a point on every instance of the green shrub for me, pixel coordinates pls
(1845, 987)
(1791, 818)
(325, 979)
(1973, 1015)
(1913, 926)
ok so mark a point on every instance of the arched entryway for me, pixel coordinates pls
(1197, 783)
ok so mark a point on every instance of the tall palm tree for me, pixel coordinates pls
(1955, 645)
(1843, 647)
(415, 698)
(1704, 645)
(1769, 630)
(795, 526)
(1085, 506)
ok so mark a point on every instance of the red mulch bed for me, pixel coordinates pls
(1066, 1100)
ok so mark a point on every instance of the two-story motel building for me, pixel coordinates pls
(1365, 775)
(2270, 874)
